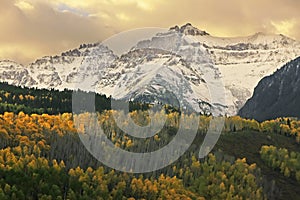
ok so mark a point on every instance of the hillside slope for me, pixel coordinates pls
(277, 95)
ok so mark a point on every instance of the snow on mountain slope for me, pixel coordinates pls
(156, 75)
(184, 58)
(199, 61)
(242, 61)
(62, 71)
(164, 75)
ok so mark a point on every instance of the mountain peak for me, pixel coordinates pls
(189, 29)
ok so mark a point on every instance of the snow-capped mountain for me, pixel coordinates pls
(62, 71)
(156, 75)
(183, 61)
(243, 61)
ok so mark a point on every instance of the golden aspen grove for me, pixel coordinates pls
(42, 157)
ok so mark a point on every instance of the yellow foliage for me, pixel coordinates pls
(222, 186)
(129, 143)
(21, 97)
(156, 138)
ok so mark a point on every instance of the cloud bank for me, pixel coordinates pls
(34, 28)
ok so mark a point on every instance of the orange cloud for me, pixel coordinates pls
(33, 28)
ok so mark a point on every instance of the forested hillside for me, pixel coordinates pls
(42, 156)
(43, 101)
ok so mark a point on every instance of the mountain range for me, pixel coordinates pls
(182, 66)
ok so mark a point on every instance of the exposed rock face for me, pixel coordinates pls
(188, 29)
(277, 95)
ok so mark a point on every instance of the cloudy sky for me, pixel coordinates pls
(34, 28)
